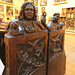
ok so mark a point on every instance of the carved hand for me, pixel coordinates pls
(13, 25)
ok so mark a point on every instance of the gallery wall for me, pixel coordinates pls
(50, 7)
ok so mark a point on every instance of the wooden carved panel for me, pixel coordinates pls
(56, 54)
(30, 56)
(56, 43)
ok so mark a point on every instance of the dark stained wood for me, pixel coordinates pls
(27, 43)
(12, 44)
(56, 55)
(57, 65)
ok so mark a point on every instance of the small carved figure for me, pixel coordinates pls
(43, 19)
(27, 22)
(54, 24)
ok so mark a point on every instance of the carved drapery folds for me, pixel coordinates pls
(30, 56)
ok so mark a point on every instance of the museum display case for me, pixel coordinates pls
(68, 16)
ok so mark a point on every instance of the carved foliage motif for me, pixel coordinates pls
(30, 55)
(57, 43)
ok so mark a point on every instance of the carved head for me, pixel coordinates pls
(56, 14)
(56, 17)
(44, 14)
(27, 11)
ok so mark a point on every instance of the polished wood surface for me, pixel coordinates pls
(12, 45)
(56, 55)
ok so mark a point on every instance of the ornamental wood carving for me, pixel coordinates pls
(30, 56)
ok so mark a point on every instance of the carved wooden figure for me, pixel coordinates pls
(26, 44)
(43, 19)
(56, 55)
(27, 22)
(26, 54)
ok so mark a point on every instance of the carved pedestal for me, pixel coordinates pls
(26, 54)
(56, 54)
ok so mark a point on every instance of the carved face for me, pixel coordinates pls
(29, 11)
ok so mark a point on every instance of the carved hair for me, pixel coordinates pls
(56, 14)
(21, 14)
(55, 17)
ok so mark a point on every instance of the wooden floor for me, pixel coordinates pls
(69, 47)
